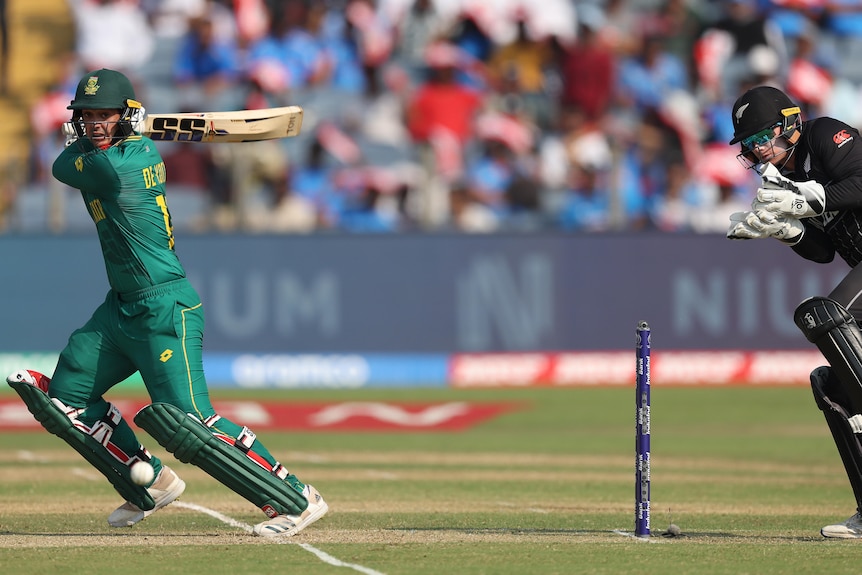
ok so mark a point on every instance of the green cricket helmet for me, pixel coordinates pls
(102, 90)
(105, 90)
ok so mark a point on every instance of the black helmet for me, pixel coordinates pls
(105, 90)
(761, 108)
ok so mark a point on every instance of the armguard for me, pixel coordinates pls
(190, 441)
(58, 423)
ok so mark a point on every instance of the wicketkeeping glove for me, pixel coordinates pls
(783, 196)
(762, 224)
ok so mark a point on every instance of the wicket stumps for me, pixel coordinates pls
(642, 431)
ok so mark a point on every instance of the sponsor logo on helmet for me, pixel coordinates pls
(92, 86)
(842, 138)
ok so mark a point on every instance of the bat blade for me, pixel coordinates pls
(225, 127)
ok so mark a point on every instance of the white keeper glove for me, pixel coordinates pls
(762, 224)
(785, 197)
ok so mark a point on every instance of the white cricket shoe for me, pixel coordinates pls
(287, 525)
(165, 489)
(850, 529)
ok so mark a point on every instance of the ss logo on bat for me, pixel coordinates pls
(178, 129)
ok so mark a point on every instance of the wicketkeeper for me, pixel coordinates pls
(811, 200)
(152, 322)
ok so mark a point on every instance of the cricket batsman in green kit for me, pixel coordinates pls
(152, 322)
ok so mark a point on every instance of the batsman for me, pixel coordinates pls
(151, 322)
(811, 199)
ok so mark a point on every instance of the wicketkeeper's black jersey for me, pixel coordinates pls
(830, 152)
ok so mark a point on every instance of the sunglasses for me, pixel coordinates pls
(760, 138)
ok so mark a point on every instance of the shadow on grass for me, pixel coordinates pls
(701, 536)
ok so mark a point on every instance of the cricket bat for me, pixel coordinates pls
(224, 127)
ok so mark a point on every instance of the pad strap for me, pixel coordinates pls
(280, 471)
(244, 442)
(103, 429)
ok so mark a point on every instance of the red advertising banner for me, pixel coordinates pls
(618, 368)
(347, 416)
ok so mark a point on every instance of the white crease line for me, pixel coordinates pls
(306, 457)
(387, 475)
(25, 455)
(509, 504)
(86, 474)
(323, 556)
(327, 558)
(212, 513)
(635, 537)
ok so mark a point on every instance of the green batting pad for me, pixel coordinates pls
(191, 441)
(55, 421)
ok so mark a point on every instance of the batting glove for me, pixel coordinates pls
(137, 119)
(762, 224)
(68, 130)
(783, 196)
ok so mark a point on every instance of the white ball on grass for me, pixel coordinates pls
(142, 473)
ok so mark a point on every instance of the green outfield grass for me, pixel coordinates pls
(749, 475)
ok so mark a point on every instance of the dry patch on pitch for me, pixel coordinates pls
(154, 533)
(320, 535)
(28, 472)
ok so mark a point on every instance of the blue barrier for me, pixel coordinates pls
(437, 294)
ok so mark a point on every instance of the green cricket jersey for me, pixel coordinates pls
(124, 190)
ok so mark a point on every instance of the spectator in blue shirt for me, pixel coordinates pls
(648, 77)
(207, 67)
(289, 58)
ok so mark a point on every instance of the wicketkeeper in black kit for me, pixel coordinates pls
(811, 200)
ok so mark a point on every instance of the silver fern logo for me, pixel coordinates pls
(740, 111)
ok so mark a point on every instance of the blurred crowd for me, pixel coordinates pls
(463, 115)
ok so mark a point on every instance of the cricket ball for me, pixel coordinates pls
(142, 473)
